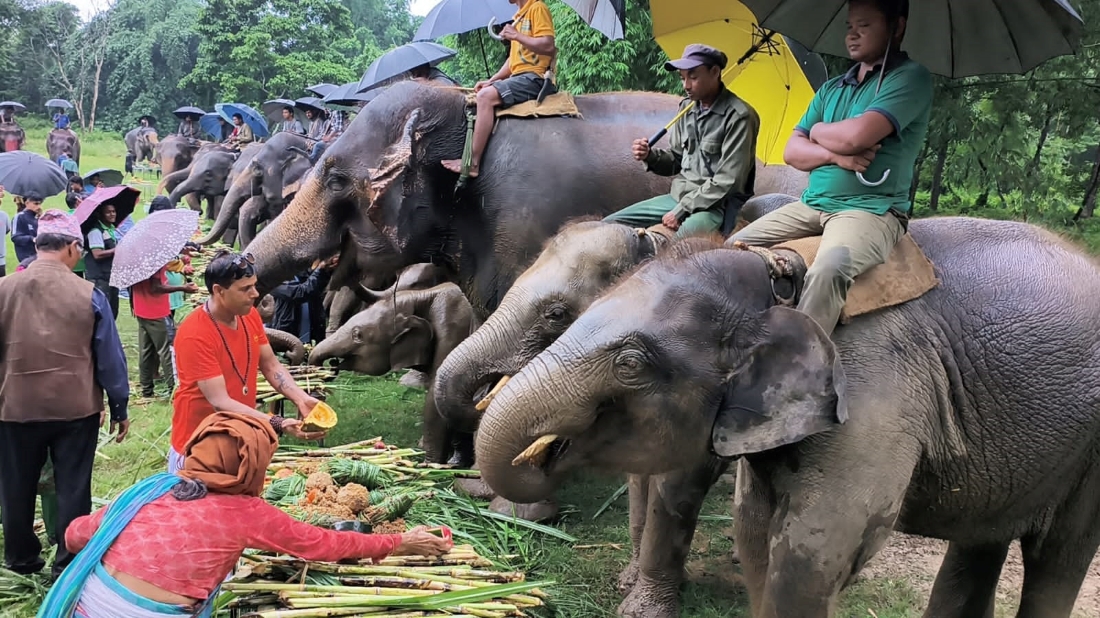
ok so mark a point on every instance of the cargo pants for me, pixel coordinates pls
(852, 242)
(650, 212)
(155, 345)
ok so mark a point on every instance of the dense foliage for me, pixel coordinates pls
(1004, 146)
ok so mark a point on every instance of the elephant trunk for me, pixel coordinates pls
(333, 346)
(188, 186)
(304, 232)
(169, 182)
(285, 342)
(250, 219)
(238, 193)
(529, 423)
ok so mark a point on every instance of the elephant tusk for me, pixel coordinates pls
(536, 453)
(868, 183)
(492, 22)
(485, 401)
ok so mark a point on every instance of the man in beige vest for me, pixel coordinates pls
(59, 353)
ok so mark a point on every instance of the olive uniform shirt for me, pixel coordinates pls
(713, 154)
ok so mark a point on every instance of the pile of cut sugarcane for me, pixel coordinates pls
(457, 584)
(199, 261)
(314, 379)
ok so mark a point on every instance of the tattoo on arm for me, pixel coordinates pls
(282, 380)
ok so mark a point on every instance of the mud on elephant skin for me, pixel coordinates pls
(410, 329)
(690, 355)
(384, 173)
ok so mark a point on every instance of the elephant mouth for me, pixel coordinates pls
(486, 388)
(544, 454)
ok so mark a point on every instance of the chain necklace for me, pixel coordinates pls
(248, 347)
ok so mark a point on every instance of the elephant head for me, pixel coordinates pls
(206, 176)
(577, 265)
(688, 356)
(174, 153)
(401, 330)
(381, 175)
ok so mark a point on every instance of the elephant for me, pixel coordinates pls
(169, 181)
(206, 178)
(141, 142)
(174, 153)
(406, 329)
(277, 166)
(383, 178)
(63, 141)
(351, 299)
(970, 414)
(288, 344)
(12, 136)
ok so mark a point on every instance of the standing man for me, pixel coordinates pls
(713, 154)
(59, 352)
(5, 229)
(874, 117)
(150, 303)
(220, 348)
(521, 79)
(25, 228)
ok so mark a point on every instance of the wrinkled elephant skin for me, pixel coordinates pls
(206, 178)
(909, 419)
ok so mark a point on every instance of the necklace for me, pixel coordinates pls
(248, 347)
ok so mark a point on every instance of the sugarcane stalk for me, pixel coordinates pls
(338, 590)
(481, 613)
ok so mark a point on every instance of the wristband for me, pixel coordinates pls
(276, 424)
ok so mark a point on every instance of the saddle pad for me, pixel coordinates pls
(558, 104)
(906, 275)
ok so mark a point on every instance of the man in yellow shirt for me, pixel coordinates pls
(531, 35)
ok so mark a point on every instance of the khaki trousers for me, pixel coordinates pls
(852, 242)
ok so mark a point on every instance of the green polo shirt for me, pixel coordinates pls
(905, 98)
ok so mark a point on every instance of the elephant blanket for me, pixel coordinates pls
(906, 275)
(558, 104)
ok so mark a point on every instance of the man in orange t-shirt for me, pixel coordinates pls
(220, 348)
(521, 79)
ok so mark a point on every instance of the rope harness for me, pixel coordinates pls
(779, 267)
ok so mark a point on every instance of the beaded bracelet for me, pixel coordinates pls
(277, 424)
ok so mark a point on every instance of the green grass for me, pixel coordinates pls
(381, 406)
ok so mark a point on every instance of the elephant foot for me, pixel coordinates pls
(414, 379)
(475, 488)
(535, 511)
(650, 600)
(629, 577)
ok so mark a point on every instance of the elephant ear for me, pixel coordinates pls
(791, 386)
(398, 158)
(412, 343)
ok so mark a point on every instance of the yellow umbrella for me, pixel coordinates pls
(766, 70)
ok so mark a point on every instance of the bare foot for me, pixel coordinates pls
(455, 165)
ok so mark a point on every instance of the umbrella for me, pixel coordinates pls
(122, 197)
(322, 89)
(62, 103)
(401, 60)
(189, 111)
(23, 172)
(150, 244)
(953, 38)
(18, 108)
(349, 95)
(273, 110)
(458, 16)
(775, 76)
(251, 117)
(110, 177)
(307, 103)
(152, 120)
(607, 16)
(210, 125)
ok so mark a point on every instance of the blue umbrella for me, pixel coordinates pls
(349, 95)
(211, 126)
(23, 173)
(457, 16)
(402, 59)
(252, 117)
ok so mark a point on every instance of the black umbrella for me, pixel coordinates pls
(607, 16)
(458, 16)
(307, 103)
(19, 108)
(62, 103)
(152, 120)
(110, 177)
(953, 38)
(322, 89)
(348, 95)
(401, 60)
(23, 172)
(273, 110)
(189, 111)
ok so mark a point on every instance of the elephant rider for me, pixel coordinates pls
(873, 116)
(290, 124)
(520, 79)
(61, 120)
(242, 133)
(713, 153)
(334, 127)
(187, 129)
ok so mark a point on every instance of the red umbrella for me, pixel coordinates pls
(122, 197)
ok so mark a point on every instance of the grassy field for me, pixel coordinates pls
(380, 406)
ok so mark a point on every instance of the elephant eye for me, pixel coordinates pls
(356, 336)
(555, 313)
(336, 182)
(629, 365)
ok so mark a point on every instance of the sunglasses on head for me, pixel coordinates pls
(240, 260)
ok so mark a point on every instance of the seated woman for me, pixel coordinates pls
(165, 545)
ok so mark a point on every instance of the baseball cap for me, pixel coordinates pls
(696, 55)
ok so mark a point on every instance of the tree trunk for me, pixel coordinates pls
(916, 172)
(95, 90)
(1088, 208)
(1033, 165)
(937, 177)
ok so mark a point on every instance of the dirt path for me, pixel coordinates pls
(916, 559)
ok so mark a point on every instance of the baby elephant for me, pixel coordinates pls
(410, 329)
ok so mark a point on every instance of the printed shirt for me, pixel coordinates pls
(188, 548)
(148, 305)
(905, 98)
(532, 20)
(713, 154)
(201, 355)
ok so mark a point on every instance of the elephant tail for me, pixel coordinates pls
(282, 341)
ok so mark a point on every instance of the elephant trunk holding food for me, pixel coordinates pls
(282, 341)
(141, 142)
(408, 329)
(63, 141)
(971, 414)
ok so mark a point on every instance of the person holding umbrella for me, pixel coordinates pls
(25, 228)
(61, 119)
(520, 79)
(877, 112)
(62, 328)
(150, 302)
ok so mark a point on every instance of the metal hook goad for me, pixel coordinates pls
(868, 183)
(492, 22)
